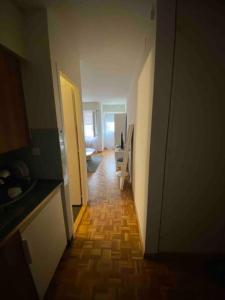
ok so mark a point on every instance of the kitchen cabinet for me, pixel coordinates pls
(16, 281)
(45, 239)
(13, 123)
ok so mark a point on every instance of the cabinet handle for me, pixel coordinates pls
(26, 251)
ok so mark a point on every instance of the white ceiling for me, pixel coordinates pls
(111, 34)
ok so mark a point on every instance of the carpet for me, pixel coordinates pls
(93, 163)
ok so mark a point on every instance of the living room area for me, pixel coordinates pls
(105, 127)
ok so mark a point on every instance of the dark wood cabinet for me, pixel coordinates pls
(13, 122)
(16, 281)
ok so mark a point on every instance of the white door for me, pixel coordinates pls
(109, 127)
(120, 121)
(71, 141)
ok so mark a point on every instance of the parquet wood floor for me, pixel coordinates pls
(105, 260)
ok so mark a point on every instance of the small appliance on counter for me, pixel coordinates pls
(15, 182)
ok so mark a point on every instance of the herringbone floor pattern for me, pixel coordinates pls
(105, 260)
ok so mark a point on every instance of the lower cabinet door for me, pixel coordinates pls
(16, 281)
(45, 240)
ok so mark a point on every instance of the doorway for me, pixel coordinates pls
(109, 129)
(74, 173)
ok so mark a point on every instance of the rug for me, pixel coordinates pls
(93, 163)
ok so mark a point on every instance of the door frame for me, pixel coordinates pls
(81, 153)
(62, 77)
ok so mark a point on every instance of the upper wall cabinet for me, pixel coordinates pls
(13, 123)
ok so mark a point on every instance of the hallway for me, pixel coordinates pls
(106, 254)
(105, 260)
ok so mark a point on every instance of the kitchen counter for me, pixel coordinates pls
(15, 216)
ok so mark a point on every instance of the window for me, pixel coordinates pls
(110, 126)
(89, 123)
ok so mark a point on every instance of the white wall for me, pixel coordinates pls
(65, 58)
(132, 92)
(139, 111)
(132, 104)
(37, 77)
(11, 29)
(63, 50)
(145, 45)
(142, 138)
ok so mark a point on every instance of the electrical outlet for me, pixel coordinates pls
(36, 151)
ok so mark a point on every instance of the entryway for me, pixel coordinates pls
(74, 163)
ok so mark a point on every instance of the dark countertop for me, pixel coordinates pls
(12, 216)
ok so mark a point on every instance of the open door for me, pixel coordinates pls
(72, 153)
(71, 142)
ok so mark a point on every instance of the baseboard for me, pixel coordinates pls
(139, 230)
(151, 256)
(175, 256)
(79, 218)
(69, 242)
